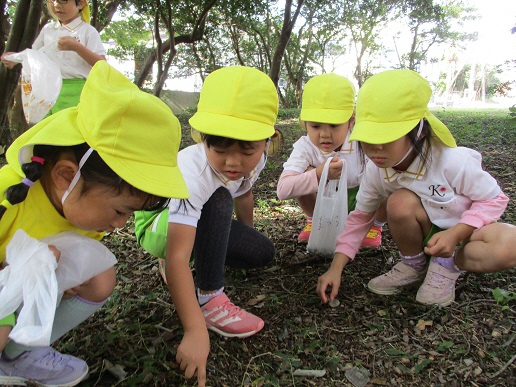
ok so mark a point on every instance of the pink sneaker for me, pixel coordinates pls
(228, 320)
(305, 234)
(439, 285)
(373, 239)
(400, 276)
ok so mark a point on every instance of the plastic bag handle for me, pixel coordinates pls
(322, 182)
(327, 189)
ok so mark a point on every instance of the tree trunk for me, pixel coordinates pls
(23, 32)
(286, 32)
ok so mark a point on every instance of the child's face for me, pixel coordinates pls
(388, 155)
(65, 10)
(327, 137)
(100, 208)
(235, 162)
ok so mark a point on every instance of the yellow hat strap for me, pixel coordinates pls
(421, 122)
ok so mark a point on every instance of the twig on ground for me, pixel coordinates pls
(503, 368)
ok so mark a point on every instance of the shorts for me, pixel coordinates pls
(352, 198)
(151, 231)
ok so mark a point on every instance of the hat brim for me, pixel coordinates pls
(326, 116)
(61, 129)
(170, 185)
(372, 132)
(230, 126)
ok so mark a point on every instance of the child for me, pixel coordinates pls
(73, 44)
(327, 114)
(85, 169)
(441, 203)
(235, 118)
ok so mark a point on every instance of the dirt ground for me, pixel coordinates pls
(367, 340)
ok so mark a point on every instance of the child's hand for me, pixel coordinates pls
(56, 252)
(192, 355)
(7, 63)
(329, 279)
(67, 43)
(334, 169)
(444, 243)
(441, 244)
(332, 278)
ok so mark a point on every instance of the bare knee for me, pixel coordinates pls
(403, 204)
(490, 249)
(501, 239)
(100, 287)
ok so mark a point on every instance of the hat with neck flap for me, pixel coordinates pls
(134, 132)
(390, 104)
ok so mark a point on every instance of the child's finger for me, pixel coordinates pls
(201, 377)
(334, 292)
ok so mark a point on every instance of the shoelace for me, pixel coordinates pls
(437, 281)
(52, 358)
(232, 309)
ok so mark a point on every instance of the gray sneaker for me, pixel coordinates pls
(44, 366)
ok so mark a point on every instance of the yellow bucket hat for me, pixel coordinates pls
(237, 102)
(329, 99)
(390, 104)
(135, 133)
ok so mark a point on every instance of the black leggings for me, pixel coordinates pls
(220, 240)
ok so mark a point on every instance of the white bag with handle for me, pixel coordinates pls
(330, 212)
(41, 83)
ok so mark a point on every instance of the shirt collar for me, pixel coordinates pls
(70, 26)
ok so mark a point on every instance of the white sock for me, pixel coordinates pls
(205, 298)
(417, 262)
(378, 223)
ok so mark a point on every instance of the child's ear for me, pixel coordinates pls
(62, 173)
(275, 143)
(352, 121)
(302, 124)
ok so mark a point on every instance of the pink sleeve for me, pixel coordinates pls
(356, 228)
(484, 212)
(293, 184)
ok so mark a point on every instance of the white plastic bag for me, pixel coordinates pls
(81, 258)
(41, 83)
(29, 280)
(32, 282)
(330, 212)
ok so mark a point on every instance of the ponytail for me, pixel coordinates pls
(17, 193)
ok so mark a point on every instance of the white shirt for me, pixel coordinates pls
(202, 181)
(306, 154)
(448, 183)
(69, 62)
